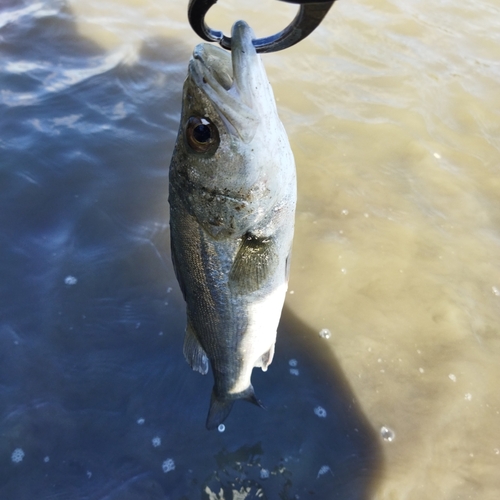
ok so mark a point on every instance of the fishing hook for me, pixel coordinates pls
(310, 15)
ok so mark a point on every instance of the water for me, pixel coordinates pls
(392, 109)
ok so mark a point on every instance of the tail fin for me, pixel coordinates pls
(218, 412)
(249, 395)
(220, 408)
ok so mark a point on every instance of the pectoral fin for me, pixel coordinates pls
(193, 352)
(255, 261)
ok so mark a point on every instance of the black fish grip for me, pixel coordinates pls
(310, 15)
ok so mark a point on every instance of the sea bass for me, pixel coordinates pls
(232, 204)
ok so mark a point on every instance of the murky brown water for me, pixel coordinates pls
(393, 113)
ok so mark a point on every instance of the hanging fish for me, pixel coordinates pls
(232, 204)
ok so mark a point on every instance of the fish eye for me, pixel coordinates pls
(202, 135)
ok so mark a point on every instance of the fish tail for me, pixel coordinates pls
(220, 408)
(250, 396)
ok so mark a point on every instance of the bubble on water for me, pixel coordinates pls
(221, 428)
(320, 411)
(387, 434)
(169, 289)
(468, 397)
(495, 290)
(156, 441)
(294, 371)
(292, 292)
(70, 280)
(46, 459)
(168, 465)
(89, 474)
(264, 473)
(160, 334)
(325, 333)
(323, 470)
(343, 270)
(497, 451)
(437, 155)
(452, 377)
(17, 455)
(140, 421)
(421, 370)
(345, 211)
(293, 362)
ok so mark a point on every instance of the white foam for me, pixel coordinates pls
(264, 473)
(168, 465)
(320, 411)
(323, 470)
(17, 455)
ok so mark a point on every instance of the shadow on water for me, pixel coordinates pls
(96, 400)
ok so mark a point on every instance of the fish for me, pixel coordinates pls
(232, 196)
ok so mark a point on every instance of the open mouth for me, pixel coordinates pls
(213, 65)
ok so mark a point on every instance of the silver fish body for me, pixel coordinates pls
(232, 204)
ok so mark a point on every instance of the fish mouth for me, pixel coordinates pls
(232, 80)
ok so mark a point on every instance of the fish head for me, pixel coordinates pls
(232, 148)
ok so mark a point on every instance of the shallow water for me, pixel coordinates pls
(392, 110)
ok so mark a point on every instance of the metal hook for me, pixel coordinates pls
(310, 15)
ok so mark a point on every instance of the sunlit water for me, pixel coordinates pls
(385, 381)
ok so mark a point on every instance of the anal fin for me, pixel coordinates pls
(193, 352)
(267, 358)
